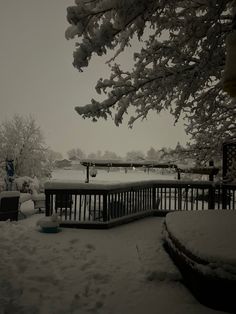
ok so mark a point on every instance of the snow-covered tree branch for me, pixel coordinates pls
(179, 67)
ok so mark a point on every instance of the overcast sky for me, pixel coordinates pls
(37, 77)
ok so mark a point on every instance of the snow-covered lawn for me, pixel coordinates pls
(120, 270)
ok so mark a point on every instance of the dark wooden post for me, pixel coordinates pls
(105, 208)
(47, 203)
(179, 199)
(178, 175)
(178, 172)
(224, 197)
(211, 175)
(87, 174)
(211, 200)
(154, 197)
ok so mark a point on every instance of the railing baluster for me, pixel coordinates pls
(99, 207)
(179, 199)
(94, 207)
(85, 206)
(80, 205)
(197, 199)
(192, 200)
(203, 198)
(105, 209)
(75, 207)
(233, 199)
(175, 201)
(89, 207)
(169, 198)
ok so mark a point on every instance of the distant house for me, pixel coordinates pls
(64, 163)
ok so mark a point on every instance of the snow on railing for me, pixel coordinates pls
(104, 203)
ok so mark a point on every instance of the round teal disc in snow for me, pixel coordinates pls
(50, 229)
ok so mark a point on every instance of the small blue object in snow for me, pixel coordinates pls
(50, 229)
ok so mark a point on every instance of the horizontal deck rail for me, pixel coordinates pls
(81, 204)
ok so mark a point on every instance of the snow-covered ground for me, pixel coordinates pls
(120, 270)
(112, 176)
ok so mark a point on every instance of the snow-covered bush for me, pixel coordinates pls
(28, 185)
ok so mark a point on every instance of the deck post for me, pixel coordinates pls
(224, 197)
(211, 200)
(47, 203)
(211, 175)
(179, 198)
(87, 174)
(153, 197)
(105, 212)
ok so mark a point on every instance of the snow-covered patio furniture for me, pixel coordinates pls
(9, 205)
(63, 201)
(39, 201)
(202, 245)
(24, 197)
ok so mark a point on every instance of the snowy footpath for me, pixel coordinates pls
(123, 270)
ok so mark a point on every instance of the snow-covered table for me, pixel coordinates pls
(203, 246)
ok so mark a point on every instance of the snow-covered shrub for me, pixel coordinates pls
(27, 185)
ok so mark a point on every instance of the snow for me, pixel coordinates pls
(7, 194)
(110, 176)
(49, 222)
(209, 236)
(27, 209)
(24, 197)
(119, 270)
(70, 185)
(75, 179)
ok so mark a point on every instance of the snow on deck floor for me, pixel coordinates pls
(120, 270)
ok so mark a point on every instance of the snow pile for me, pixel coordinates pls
(120, 270)
(27, 184)
(49, 222)
(8, 194)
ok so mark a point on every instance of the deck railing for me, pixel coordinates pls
(99, 203)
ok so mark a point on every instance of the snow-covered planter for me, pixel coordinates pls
(49, 224)
(202, 245)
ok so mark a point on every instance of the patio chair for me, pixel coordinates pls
(63, 201)
(9, 205)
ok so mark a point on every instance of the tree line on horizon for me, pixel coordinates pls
(174, 155)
